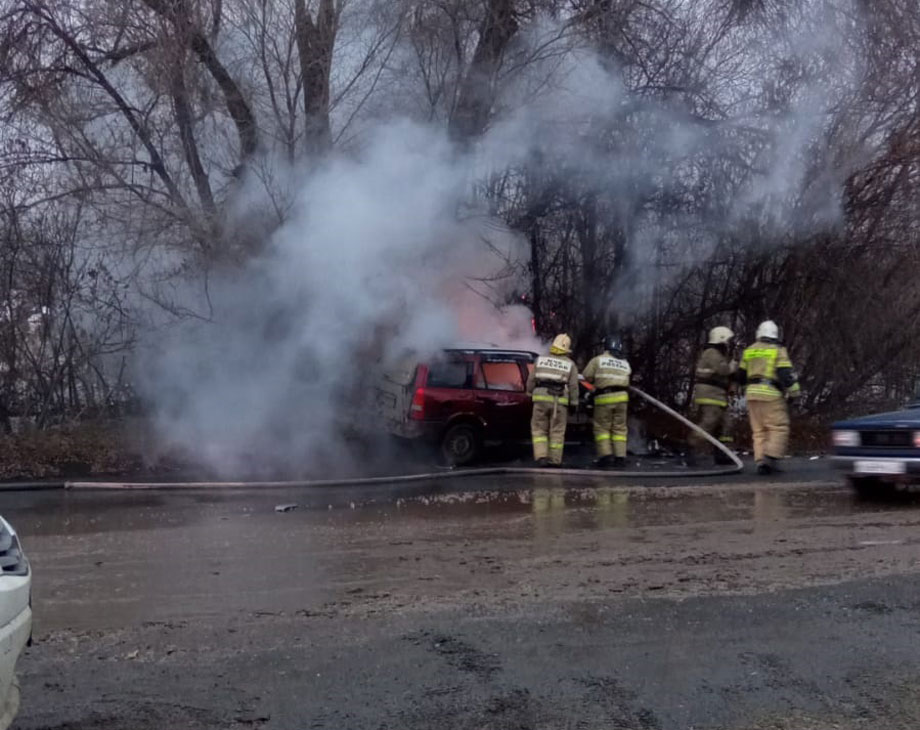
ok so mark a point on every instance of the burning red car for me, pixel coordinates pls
(461, 399)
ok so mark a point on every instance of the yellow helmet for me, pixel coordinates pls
(562, 345)
(720, 335)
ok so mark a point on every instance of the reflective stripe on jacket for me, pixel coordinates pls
(765, 365)
(607, 371)
(557, 370)
(713, 374)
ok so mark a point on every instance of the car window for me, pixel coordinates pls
(479, 380)
(503, 376)
(450, 374)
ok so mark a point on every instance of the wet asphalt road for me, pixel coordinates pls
(513, 603)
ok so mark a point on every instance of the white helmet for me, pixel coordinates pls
(768, 330)
(720, 335)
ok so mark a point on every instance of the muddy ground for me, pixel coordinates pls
(506, 604)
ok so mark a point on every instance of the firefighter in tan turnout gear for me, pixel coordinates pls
(769, 379)
(553, 385)
(715, 371)
(609, 372)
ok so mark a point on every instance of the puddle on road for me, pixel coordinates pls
(237, 554)
(611, 507)
(73, 513)
(498, 505)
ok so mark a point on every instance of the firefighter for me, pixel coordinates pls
(714, 373)
(553, 385)
(609, 373)
(770, 380)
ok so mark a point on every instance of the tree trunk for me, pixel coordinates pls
(237, 106)
(185, 122)
(315, 45)
(477, 91)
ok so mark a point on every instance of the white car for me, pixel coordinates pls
(15, 618)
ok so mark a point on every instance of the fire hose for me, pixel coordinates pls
(734, 468)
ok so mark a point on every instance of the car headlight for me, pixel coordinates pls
(12, 560)
(846, 438)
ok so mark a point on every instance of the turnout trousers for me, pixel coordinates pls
(769, 428)
(547, 429)
(610, 429)
(714, 420)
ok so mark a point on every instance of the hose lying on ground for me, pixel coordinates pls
(736, 467)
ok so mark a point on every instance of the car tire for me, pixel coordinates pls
(461, 444)
(868, 487)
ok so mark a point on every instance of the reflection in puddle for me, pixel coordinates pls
(549, 512)
(555, 509)
(540, 506)
(612, 507)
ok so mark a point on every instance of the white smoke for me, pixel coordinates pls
(382, 253)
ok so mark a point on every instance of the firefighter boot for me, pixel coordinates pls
(619, 463)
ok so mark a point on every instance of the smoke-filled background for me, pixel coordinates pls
(382, 252)
(226, 214)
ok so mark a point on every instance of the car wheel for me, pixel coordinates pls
(461, 444)
(867, 487)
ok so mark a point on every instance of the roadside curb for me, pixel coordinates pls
(31, 486)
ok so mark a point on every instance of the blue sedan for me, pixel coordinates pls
(880, 449)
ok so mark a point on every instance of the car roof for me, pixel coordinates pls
(491, 350)
(906, 418)
(473, 345)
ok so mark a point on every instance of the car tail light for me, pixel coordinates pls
(917, 439)
(12, 560)
(417, 409)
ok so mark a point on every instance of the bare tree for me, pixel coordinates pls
(696, 191)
